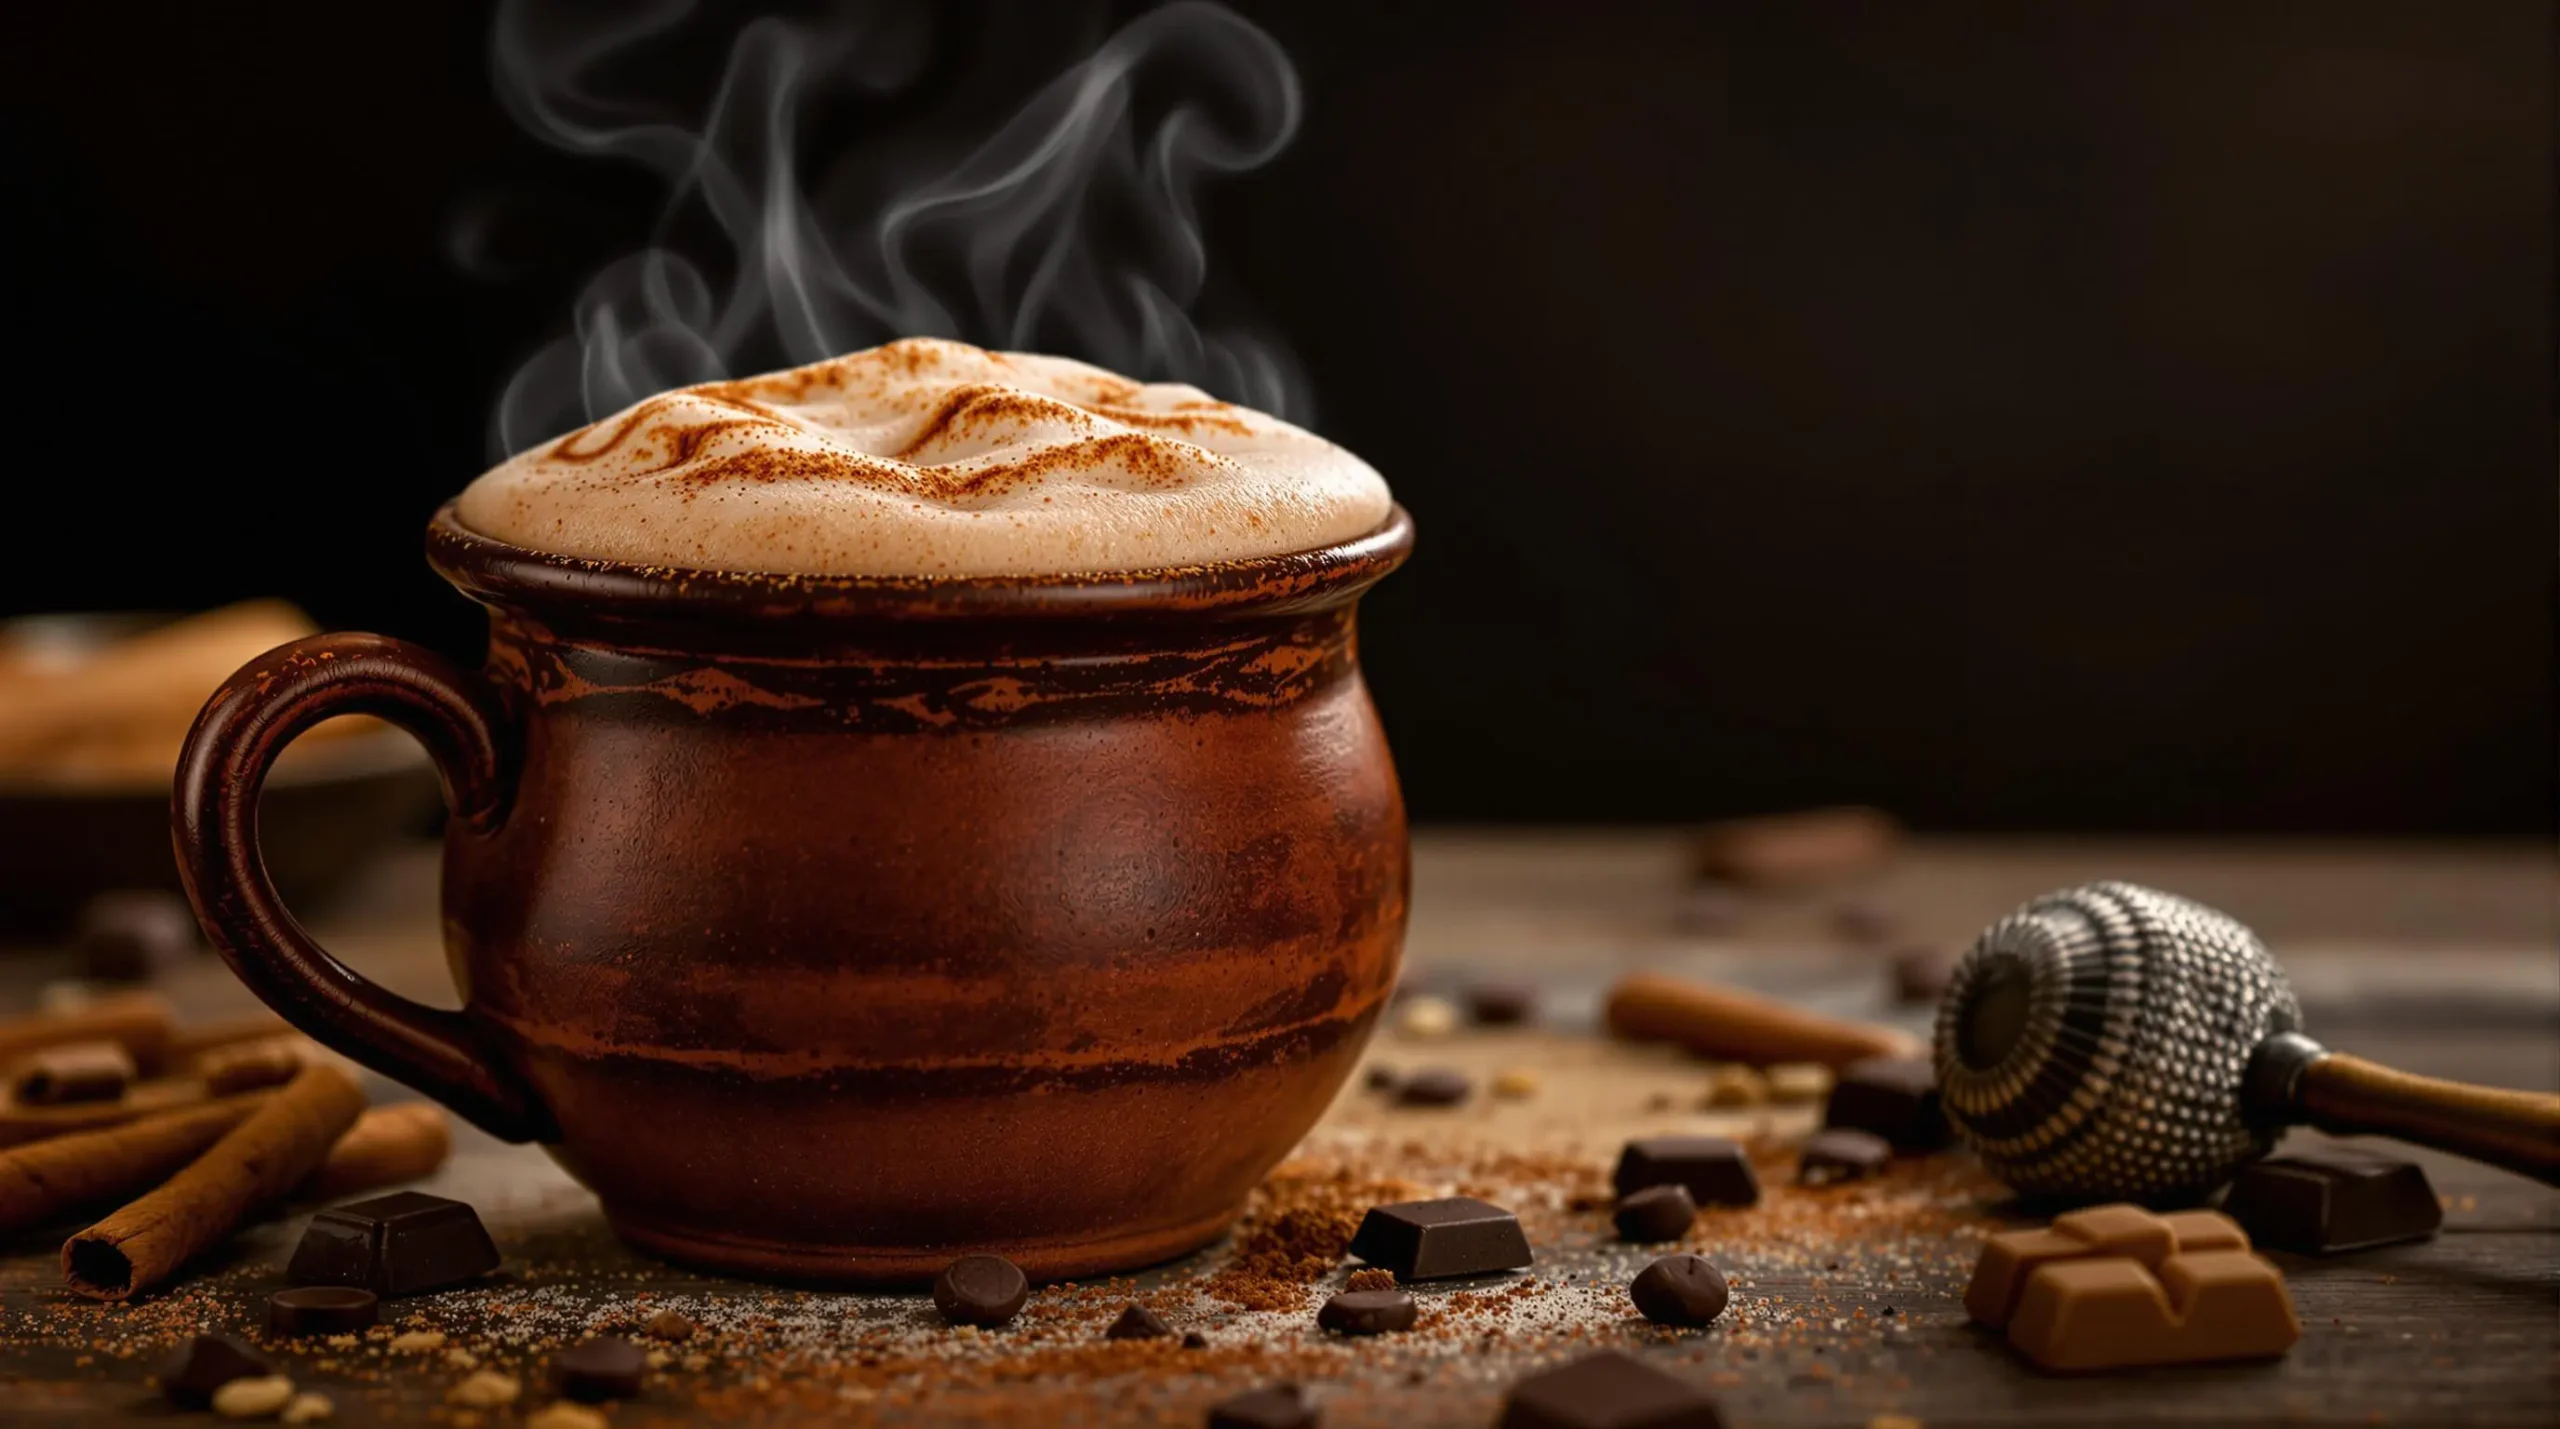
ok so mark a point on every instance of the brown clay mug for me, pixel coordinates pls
(830, 929)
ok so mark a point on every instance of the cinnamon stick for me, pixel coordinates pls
(21, 1124)
(1792, 850)
(1740, 1026)
(72, 1072)
(261, 1159)
(267, 1062)
(141, 1021)
(191, 1044)
(42, 1181)
(388, 1145)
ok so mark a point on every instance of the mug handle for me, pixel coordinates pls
(214, 818)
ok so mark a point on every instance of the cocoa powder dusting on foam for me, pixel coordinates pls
(983, 404)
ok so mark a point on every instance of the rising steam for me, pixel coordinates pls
(1072, 227)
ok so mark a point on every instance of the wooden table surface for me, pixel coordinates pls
(2436, 959)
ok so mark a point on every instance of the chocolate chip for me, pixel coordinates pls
(2322, 1201)
(1502, 1004)
(129, 936)
(668, 1325)
(1432, 1240)
(207, 1363)
(1840, 1154)
(981, 1290)
(394, 1245)
(1714, 1169)
(1894, 1097)
(1435, 1086)
(323, 1310)
(1656, 1213)
(1138, 1323)
(1278, 1406)
(1194, 1340)
(594, 1371)
(1679, 1290)
(1381, 1079)
(1921, 975)
(1608, 1390)
(1367, 1312)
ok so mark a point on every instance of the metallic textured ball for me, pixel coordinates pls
(2092, 1044)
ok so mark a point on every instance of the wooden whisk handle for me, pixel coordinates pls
(2349, 1096)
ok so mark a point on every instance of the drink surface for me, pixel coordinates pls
(930, 458)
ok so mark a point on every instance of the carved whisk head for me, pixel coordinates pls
(2097, 1043)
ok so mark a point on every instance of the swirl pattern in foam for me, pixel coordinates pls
(930, 458)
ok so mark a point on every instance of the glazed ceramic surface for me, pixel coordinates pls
(831, 929)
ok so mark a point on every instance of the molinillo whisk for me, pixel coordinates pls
(2115, 1042)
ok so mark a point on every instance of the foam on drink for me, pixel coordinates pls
(930, 458)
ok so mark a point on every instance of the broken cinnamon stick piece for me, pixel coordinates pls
(267, 1062)
(261, 1159)
(72, 1072)
(406, 1141)
(1791, 850)
(1736, 1026)
(140, 1021)
(44, 1180)
(21, 1124)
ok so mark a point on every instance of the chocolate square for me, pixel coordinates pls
(1715, 1170)
(2332, 1199)
(1433, 1240)
(1895, 1098)
(400, 1244)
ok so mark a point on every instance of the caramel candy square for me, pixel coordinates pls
(2121, 1230)
(2115, 1313)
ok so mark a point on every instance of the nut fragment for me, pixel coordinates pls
(486, 1389)
(1426, 1018)
(566, 1415)
(307, 1409)
(413, 1341)
(1735, 1085)
(253, 1398)
(668, 1325)
(1796, 1082)
(1513, 1083)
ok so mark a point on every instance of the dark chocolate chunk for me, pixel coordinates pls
(1841, 1154)
(1502, 1004)
(1138, 1323)
(1894, 1097)
(1921, 975)
(604, 1368)
(1715, 1170)
(73, 1072)
(1608, 1390)
(1679, 1290)
(1432, 1240)
(1194, 1340)
(1278, 1406)
(670, 1326)
(394, 1245)
(980, 1290)
(2331, 1199)
(207, 1363)
(1381, 1079)
(1435, 1086)
(323, 1310)
(1656, 1213)
(1368, 1312)
(127, 937)
(1863, 920)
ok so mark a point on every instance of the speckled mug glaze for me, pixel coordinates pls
(830, 929)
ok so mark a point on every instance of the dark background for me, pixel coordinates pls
(2107, 416)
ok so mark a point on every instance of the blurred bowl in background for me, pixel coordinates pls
(92, 711)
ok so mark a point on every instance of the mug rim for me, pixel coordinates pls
(505, 575)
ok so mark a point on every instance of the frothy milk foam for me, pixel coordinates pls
(930, 458)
